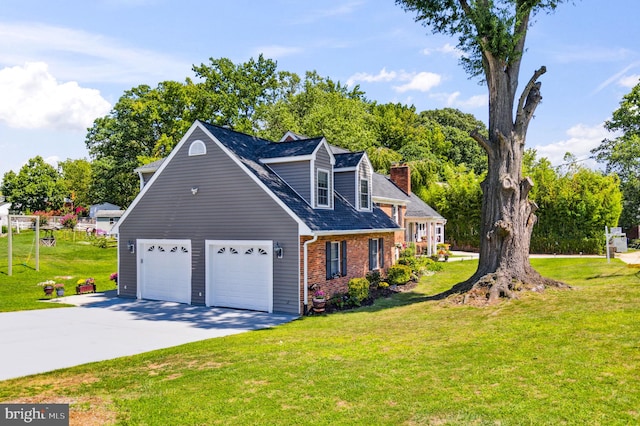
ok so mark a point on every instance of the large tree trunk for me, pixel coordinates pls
(507, 213)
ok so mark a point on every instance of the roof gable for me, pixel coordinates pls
(246, 151)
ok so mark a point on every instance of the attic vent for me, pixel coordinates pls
(197, 148)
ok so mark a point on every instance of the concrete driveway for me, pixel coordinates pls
(102, 327)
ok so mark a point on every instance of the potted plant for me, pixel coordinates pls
(114, 277)
(319, 301)
(59, 289)
(47, 286)
(443, 251)
(85, 286)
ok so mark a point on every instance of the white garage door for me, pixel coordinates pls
(164, 270)
(240, 274)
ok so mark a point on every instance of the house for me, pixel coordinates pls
(232, 220)
(93, 209)
(106, 220)
(422, 224)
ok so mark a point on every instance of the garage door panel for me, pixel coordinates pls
(165, 267)
(240, 274)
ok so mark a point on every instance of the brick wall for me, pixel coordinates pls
(357, 260)
(401, 176)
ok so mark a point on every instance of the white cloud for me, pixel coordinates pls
(83, 56)
(275, 51)
(33, 98)
(383, 75)
(447, 49)
(476, 101)
(582, 139)
(422, 82)
(629, 81)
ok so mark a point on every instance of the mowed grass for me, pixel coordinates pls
(73, 256)
(561, 357)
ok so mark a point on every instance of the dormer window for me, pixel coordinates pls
(323, 188)
(365, 198)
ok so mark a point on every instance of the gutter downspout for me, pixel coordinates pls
(306, 270)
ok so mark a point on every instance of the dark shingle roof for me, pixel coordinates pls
(150, 167)
(349, 159)
(289, 149)
(249, 149)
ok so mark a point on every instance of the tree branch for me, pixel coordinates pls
(530, 85)
(484, 142)
(529, 100)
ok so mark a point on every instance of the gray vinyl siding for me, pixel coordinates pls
(226, 207)
(345, 185)
(297, 174)
(323, 161)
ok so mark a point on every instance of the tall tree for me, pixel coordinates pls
(77, 178)
(146, 123)
(622, 154)
(36, 187)
(492, 35)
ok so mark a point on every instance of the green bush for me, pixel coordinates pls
(399, 274)
(434, 266)
(411, 262)
(374, 278)
(358, 290)
(4, 229)
(410, 251)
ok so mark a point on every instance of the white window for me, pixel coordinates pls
(364, 194)
(334, 259)
(376, 253)
(197, 148)
(395, 213)
(323, 188)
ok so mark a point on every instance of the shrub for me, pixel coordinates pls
(410, 251)
(358, 290)
(69, 221)
(411, 262)
(383, 284)
(374, 278)
(399, 274)
(4, 229)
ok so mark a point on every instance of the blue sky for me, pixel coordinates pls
(64, 63)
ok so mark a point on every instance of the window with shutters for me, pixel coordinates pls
(336, 252)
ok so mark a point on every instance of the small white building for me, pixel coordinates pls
(4, 213)
(106, 219)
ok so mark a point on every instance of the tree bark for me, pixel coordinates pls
(508, 216)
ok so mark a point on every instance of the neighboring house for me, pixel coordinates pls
(232, 220)
(93, 209)
(106, 219)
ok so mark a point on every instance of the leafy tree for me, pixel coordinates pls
(622, 154)
(459, 199)
(575, 204)
(456, 128)
(492, 36)
(77, 178)
(146, 123)
(36, 187)
(320, 106)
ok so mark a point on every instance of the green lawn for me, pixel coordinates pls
(561, 357)
(73, 256)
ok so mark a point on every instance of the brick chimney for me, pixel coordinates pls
(401, 176)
